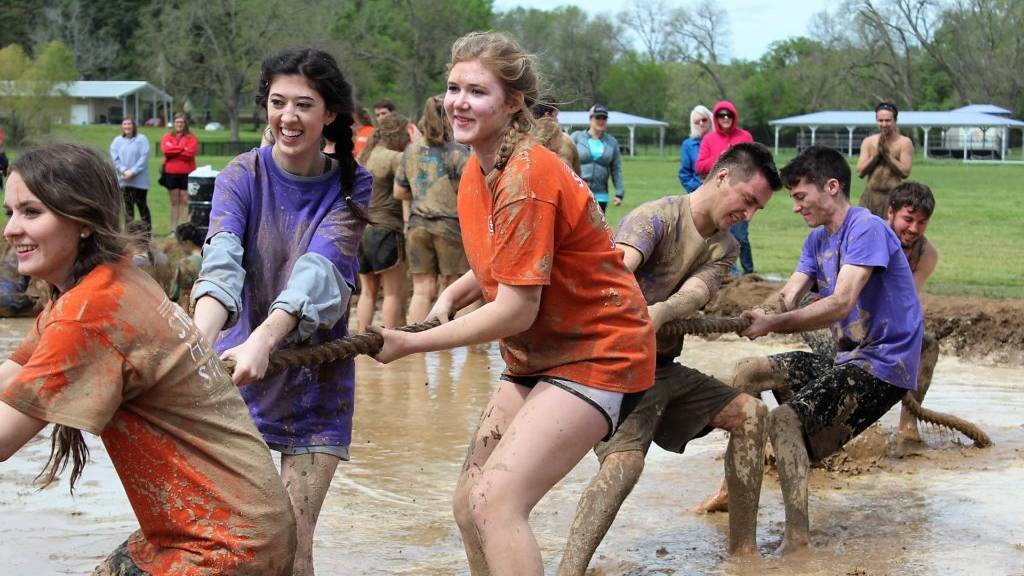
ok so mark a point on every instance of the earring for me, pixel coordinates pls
(84, 235)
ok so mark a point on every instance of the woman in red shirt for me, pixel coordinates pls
(571, 321)
(179, 147)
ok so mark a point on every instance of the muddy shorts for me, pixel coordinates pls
(340, 451)
(877, 201)
(614, 406)
(834, 403)
(676, 410)
(379, 250)
(435, 247)
(119, 563)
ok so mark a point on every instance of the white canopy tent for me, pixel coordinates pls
(572, 120)
(962, 119)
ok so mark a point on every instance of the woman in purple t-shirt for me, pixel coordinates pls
(279, 266)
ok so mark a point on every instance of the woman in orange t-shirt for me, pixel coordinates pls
(571, 321)
(112, 355)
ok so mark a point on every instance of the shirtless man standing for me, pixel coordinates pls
(885, 160)
(679, 248)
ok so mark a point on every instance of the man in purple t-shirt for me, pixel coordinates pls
(869, 302)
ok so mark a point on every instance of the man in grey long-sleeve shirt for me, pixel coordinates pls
(130, 154)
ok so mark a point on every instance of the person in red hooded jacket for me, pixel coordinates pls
(727, 132)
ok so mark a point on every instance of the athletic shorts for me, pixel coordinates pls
(834, 403)
(174, 181)
(676, 410)
(614, 406)
(119, 563)
(339, 451)
(380, 250)
(435, 247)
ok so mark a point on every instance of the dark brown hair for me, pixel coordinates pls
(322, 71)
(914, 194)
(80, 184)
(392, 134)
(184, 117)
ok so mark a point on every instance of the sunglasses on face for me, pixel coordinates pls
(723, 115)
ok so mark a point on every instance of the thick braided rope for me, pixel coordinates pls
(370, 343)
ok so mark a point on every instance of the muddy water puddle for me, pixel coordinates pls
(950, 509)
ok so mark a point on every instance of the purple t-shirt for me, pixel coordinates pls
(279, 217)
(882, 334)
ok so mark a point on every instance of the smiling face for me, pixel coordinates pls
(45, 242)
(815, 204)
(297, 115)
(735, 201)
(725, 119)
(908, 224)
(127, 127)
(886, 121)
(703, 124)
(477, 106)
(599, 124)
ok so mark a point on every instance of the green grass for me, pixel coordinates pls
(978, 225)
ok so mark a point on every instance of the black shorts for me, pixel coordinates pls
(174, 181)
(119, 563)
(834, 403)
(380, 250)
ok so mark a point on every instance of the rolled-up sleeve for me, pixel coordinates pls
(222, 275)
(316, 294)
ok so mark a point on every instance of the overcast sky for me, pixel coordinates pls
(755, 23)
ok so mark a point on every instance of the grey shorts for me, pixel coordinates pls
(834, 403)
(676, 410)
(119, 563)
(339, 451)
(614, 406)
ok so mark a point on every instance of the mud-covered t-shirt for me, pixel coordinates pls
(538, 225)
(432, 174)
(279, 217)
(882, 333)
(113, 356)
(185, 275)
(385, 209)
(673, 251)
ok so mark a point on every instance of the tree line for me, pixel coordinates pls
(655, 58)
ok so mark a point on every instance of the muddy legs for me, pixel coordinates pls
(793, 467)
(744, 470)
(929, 356)
(306, 478)
(597, 509)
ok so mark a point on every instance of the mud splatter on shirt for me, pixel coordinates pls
(115, 357)
(432, 174)
(664, 234)
(538, 225)
(279, 217)
(882, 333)
(385, 209)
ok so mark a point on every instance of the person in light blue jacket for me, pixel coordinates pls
(700, 123)
(130, 155)
(599, 157)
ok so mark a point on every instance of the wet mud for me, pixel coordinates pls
(945, 508)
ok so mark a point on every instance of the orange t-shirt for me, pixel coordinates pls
(360, 138)
(539, 226)
(114, 357)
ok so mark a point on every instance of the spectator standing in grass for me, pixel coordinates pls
(130, 154)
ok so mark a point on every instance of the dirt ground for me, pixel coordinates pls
(983, 330)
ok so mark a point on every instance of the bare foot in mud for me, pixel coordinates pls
(718, 502)
(792, 546)
(745, 551)
(908, 446)
(909, 433)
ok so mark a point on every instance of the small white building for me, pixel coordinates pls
(581, 119)
(109, 101)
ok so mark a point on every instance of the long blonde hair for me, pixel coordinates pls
(514, 68)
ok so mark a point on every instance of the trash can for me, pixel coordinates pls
(200, 196)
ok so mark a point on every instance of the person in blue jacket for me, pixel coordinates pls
(700, 123)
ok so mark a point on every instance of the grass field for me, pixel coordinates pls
(978, 225)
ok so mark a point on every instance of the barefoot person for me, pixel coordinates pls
(571, 321)
(278, 267)
(868, 300)
(885, 160)
(112, 356)
(680, 249)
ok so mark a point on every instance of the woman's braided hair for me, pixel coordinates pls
(515, 69)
